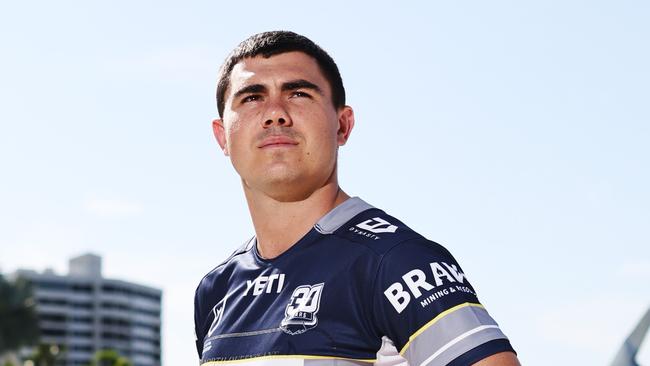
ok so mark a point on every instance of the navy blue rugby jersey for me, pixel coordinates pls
(360, 288)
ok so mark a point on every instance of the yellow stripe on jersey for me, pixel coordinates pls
(435, 320)
(303, 357)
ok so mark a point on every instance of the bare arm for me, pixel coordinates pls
(500, 359)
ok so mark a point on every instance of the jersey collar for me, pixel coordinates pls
(341, 214)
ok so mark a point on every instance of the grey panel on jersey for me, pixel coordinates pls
(453, 335)
(341, 214)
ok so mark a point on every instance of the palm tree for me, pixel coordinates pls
(109, 358)
(18, 319)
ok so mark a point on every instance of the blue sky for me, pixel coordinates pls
(516, 134)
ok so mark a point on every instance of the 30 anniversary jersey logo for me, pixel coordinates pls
(300, 314)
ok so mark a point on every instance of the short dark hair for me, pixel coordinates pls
(273, 43)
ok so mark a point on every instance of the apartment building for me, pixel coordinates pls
(83, 312)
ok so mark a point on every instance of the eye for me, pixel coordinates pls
(300, 94)
(251, 98)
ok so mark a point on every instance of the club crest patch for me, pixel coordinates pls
(300, 314)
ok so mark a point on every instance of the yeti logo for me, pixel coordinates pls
(300, 314)
(377, 225)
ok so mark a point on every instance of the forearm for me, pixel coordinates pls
(500, 359)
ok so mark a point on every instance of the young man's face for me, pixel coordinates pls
(279, 125)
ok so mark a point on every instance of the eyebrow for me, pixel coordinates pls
(301, 84)
(288, 86)
(253, 88)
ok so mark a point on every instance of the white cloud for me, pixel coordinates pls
(112, 207)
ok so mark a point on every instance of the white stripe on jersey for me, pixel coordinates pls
(260, 361)
(456, 340)
(291, 361)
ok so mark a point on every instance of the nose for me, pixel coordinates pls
(281, 121)
(276, 115)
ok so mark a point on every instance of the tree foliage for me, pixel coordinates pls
(109, 358)
(46, 355)
(18, 319)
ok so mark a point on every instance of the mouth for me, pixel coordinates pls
(277, 141)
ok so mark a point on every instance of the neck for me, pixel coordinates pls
(279, 225)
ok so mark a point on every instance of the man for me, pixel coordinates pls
(327, 279)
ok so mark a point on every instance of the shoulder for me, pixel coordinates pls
(422, 299)
(386, 236)
(211, 280)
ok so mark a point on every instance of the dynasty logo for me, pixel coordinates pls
(300, 314)
(370, 228)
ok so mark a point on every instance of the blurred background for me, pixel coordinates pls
(514, 133)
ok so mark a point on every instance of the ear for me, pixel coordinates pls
(346, 123)
(220, 133)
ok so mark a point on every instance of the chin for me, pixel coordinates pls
(287, 188)
(285, 183)
(286, 196)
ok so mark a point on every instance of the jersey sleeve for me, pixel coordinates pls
(198, 334)
(425, 305)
